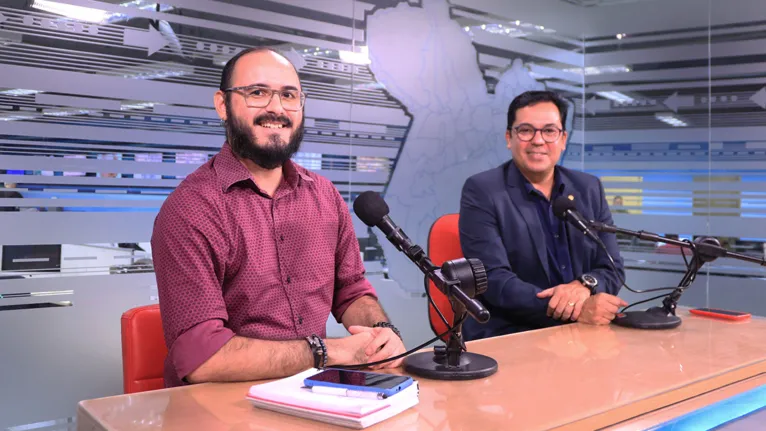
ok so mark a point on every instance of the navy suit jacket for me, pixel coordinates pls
(499, 225)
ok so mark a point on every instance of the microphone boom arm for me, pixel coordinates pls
(704, 249)
(707, 249)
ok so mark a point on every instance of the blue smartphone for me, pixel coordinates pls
(384, 384)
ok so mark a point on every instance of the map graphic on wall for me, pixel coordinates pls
(428, 62)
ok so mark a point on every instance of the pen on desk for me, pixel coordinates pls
(348, 393)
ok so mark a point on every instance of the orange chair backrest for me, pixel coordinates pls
(143, 349)
(443, 245)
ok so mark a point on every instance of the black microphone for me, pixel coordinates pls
(373, 211)
(459, 279)
(565, 209)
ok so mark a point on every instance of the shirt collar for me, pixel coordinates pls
(558, 185)
(231, 171)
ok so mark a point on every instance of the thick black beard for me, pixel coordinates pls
(270, 155)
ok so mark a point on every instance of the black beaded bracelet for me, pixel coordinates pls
(389, 326)
(319, 350)
(323, 365)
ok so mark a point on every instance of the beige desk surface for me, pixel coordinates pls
(569, 377)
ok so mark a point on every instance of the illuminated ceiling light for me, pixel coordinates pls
(466, 28)
(19, 92)
(79, 13)
(671, 119)
(616, 96)
(483, 26)
(360, 58)
(597, 70)
(16, 115)
(82, 13)
(64, 112)
(506, 31)
(130, 106)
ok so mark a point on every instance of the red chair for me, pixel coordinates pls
(143, 349)
(443, 245)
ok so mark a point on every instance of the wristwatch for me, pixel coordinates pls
(590, 282)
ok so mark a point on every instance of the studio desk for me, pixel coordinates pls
(577, 377)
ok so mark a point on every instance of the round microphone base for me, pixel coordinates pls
(432, 366)
(653, 318)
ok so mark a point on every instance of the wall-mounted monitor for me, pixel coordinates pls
(41, 257)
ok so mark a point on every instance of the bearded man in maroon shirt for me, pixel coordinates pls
(252, 252)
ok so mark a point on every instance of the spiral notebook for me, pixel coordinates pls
(289, 396)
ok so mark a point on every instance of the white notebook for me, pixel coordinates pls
(290, 397)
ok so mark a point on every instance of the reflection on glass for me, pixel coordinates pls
(57, 260)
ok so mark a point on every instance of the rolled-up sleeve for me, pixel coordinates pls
(350, 282)
(188, 249)
(195, 346)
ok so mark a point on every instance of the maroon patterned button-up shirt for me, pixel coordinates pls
(231, 260)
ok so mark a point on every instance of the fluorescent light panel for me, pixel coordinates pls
(512, 29)
(16, 115)
(136, 105)
(671, 119)
(18, 92)
(616, 96)
(79, 13)
(82, 13)
(598, 70)
(64, 112)
(361, 58)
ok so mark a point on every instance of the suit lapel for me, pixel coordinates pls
(574, 237)
(526, 207)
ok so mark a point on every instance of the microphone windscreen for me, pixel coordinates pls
(370, 208)
(561, 205)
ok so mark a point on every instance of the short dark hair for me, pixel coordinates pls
(228, 69)
(530, 98)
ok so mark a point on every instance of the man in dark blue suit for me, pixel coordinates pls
(541, 271)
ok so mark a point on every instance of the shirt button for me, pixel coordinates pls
(562, 267)
(281, 237)
(288, 279)
(555, 235)
(300, 320)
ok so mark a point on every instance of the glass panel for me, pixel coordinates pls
(737, 188)
(647, 130)
(449, 70)
(104, 111)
